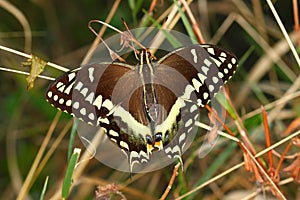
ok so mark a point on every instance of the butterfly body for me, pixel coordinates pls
(150, 106)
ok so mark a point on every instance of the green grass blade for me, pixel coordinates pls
(69, 173)
(72, 137)
(186, 24)
(44, 189)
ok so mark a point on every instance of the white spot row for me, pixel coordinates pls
(91, 116)
(76, 105)
(83, 112)
(55, 97)
(199, 103)
(61, 100)
(188, 91)
(98, 102)
(84, 91)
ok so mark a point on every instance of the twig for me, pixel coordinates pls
(296, 19)
(175, 173)
(25, 73)
(193, 22)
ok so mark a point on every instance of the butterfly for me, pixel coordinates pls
(150, 106)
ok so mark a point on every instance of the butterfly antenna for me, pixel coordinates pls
(105, 24)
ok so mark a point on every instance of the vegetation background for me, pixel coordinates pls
(57, 31)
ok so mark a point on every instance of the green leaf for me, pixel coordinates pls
(69, 174)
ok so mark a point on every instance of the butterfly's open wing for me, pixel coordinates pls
(203, 69)
(102, 94)
(87, 92)
(194, 74)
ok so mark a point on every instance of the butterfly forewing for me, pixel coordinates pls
(87, 90)
(203, 69)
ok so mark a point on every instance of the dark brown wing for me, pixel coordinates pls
(194, 74)
(87, 92)
(203, 69)
(106, 95)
